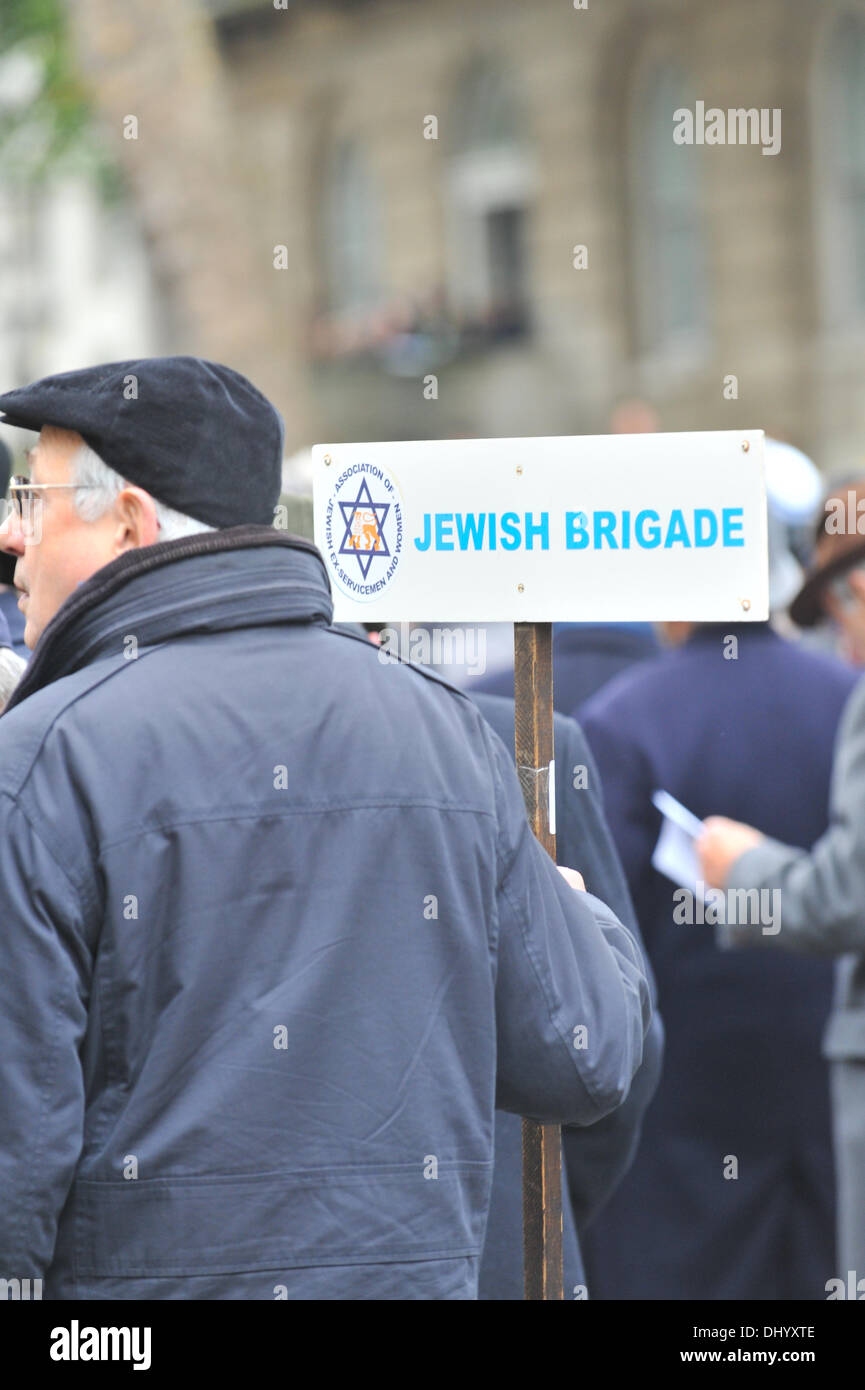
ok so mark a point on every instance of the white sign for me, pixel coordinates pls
(611, 527)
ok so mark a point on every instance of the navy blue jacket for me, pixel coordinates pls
(585, 657)
(276, 939)
(598, 1156)
(5, 635)
(749, 738)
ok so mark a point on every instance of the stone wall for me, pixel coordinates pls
(237, 116)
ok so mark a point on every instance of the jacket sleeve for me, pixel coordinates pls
(572, 1000)
(583, 839)
(598, 1157)
(45, 970)
(821, 891)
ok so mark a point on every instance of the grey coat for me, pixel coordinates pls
(822, 903)
(822, 911)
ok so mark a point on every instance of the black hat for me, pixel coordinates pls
(197, 436)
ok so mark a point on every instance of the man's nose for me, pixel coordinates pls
(11, 535)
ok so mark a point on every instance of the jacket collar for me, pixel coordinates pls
(243, 576)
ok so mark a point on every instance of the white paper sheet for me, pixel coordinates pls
(675, 856)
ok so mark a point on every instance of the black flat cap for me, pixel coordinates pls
(196, 435)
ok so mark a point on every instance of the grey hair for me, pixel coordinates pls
(12, 668)
(99, 485)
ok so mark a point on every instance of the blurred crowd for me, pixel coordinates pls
(731, 1163)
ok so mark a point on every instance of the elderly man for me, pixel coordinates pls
(240, 1060)
(822, 898)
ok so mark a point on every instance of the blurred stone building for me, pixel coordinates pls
(377, 208)
(75, 283)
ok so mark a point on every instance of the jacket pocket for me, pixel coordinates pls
(195, 1225)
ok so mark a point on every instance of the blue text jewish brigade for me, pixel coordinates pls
(698, 528)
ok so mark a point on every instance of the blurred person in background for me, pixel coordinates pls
(731, 1194)
(830, 587)
(11, 666)
(585, 657)
(12, 616)
(821, 892)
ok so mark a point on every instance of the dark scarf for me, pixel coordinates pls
(122, 597)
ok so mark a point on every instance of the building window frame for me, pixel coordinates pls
(659, 345)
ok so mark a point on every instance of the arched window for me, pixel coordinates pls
(840, 130)
(669, 269)
(489, 193)
(485, 114)
(352, 234)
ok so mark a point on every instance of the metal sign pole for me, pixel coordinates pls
(542, 1144)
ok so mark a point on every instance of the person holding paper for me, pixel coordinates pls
(731, 1194)
(822, 896)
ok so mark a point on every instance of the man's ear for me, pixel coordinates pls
(135, 517)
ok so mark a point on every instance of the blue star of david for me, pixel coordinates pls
(361, 535)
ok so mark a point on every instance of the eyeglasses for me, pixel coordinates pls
(24, 493)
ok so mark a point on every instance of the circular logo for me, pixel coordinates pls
(363, 528)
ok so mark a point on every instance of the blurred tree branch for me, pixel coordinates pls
(45, 112)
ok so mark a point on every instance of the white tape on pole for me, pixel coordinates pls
(552, 797)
